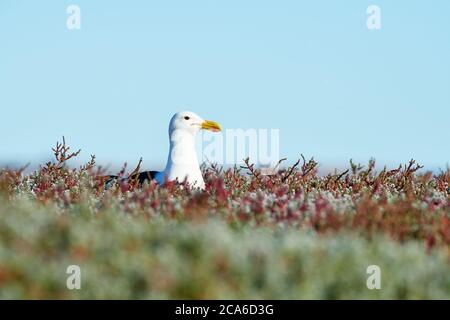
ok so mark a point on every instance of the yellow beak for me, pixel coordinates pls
(211, 126)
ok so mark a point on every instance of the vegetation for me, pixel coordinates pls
(291, 234)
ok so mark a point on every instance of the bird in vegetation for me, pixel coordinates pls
(182, 162)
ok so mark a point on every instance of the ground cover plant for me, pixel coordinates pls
(289, 234)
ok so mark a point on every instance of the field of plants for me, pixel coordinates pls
(289, 235)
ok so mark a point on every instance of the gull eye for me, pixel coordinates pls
(186, 118)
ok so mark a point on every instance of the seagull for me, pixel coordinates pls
(182, 162)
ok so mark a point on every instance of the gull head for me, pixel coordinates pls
(188, 122)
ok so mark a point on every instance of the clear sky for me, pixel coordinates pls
(311, 69)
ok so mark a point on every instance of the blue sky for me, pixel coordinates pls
(312, 69)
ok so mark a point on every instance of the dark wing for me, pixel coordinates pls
(143, 176)
(139, 177)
